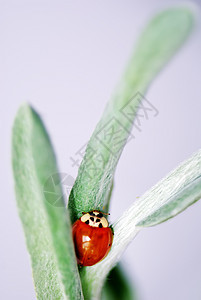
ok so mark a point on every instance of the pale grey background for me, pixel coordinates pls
(65, 58)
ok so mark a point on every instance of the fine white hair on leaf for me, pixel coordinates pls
(174, 193)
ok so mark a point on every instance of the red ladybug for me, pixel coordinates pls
(92, 238)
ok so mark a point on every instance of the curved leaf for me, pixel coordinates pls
(157, 44)
(176, 204)
(47, 228)
(181, 188)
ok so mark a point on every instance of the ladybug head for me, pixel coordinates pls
(95, 218)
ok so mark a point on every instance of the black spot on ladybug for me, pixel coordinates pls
(87, 222)
(109, 244)
(91, 213)
(100, 215)
(100, 225)
(97, 220)
(91, 218)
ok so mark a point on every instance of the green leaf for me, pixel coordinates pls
(117, 286)
(173, 194)
(47, 227)
(158, 43)
(176, 204)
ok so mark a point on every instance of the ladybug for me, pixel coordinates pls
(92, 238)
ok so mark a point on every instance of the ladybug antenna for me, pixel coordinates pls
(107, 214)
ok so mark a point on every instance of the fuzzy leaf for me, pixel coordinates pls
(47, 227)
(157, 44)
(170, 196)
(176, 204)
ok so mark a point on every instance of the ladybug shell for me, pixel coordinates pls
(92, 244)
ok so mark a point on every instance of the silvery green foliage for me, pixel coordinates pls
(47, 228)
(173, 194)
